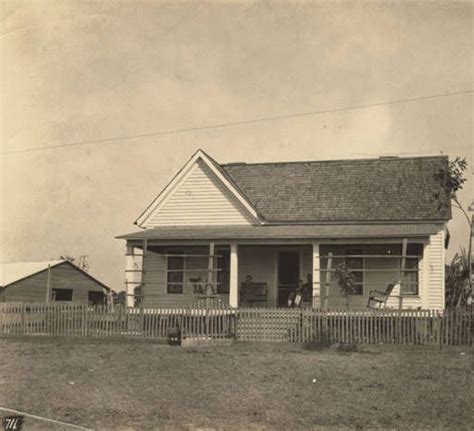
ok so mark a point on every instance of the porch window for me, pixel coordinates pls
(410, 277)
(356, 266)
(61, 295)
(175, 273)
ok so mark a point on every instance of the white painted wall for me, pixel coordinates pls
(435, 275)
(200, 199)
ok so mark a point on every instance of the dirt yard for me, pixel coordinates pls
(137, 386)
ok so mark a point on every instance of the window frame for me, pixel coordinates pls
(406, 276)
(181, 271)
(55, 290)
(221, 287)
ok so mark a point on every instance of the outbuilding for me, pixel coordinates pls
(54, 280)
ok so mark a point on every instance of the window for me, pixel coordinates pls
(175, 273)
(223, 263)
(410, 277)
(61, 295)
(356, 266)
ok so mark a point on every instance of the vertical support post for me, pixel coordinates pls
(328, 281)
(48, 285)
(316, 277)
(210, 267)
(210, 264)
(143, 282)
(130, 276)
(142, 286)
(23, 323)
(234, 271)
(402, 272)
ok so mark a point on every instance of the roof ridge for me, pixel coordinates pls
(35, 261)
(372, 159)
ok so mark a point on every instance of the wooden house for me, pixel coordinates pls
(254, 233)
(49, 281)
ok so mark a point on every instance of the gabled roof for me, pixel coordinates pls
(386, 190)
(218, 171)
(13, 272)
(359, 190)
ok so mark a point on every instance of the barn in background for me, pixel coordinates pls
(48, 281)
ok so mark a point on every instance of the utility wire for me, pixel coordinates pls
(237, 123)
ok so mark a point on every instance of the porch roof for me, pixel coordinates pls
(287, 231)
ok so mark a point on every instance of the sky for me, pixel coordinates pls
(77, 71)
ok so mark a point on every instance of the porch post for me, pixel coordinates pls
(142, 285)
(129, 275)
(234, 281)
(316, 277)
(210, 266)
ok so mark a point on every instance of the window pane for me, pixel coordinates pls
(175, 277)
(62, 294)
(223, 275)
(175, 262)
(174, 288)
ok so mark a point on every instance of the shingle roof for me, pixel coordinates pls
(384, 189)
(288, 232)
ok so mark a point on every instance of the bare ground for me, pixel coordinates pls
(135, 386)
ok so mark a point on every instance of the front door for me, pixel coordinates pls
(288, 275)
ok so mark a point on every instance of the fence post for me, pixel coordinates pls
(84, 321)
(23, 318)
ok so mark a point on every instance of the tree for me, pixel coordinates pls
(345, 279)
(457, 280)
(119, 298)
(451, 180)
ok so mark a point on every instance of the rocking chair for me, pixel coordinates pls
(378, 299)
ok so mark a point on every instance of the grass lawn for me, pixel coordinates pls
(133, 385)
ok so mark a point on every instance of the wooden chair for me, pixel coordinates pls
(252, 292)
(378, 299)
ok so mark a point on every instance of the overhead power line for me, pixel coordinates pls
(237, 123)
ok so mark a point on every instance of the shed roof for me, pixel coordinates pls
(12, 272)
(359, 190)
(15, 271)
(287, 232)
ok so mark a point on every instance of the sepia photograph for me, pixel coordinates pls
(236, 215)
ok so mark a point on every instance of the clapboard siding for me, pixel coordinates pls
(155, 278)
(375, 280)
(261, 263)
(63, 276)
(436, 271)
(201, 199)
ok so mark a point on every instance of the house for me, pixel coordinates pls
(253, 233)
(60, 280)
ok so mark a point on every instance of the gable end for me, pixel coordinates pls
(199, 197)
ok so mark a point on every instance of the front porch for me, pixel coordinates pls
(267, 273)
